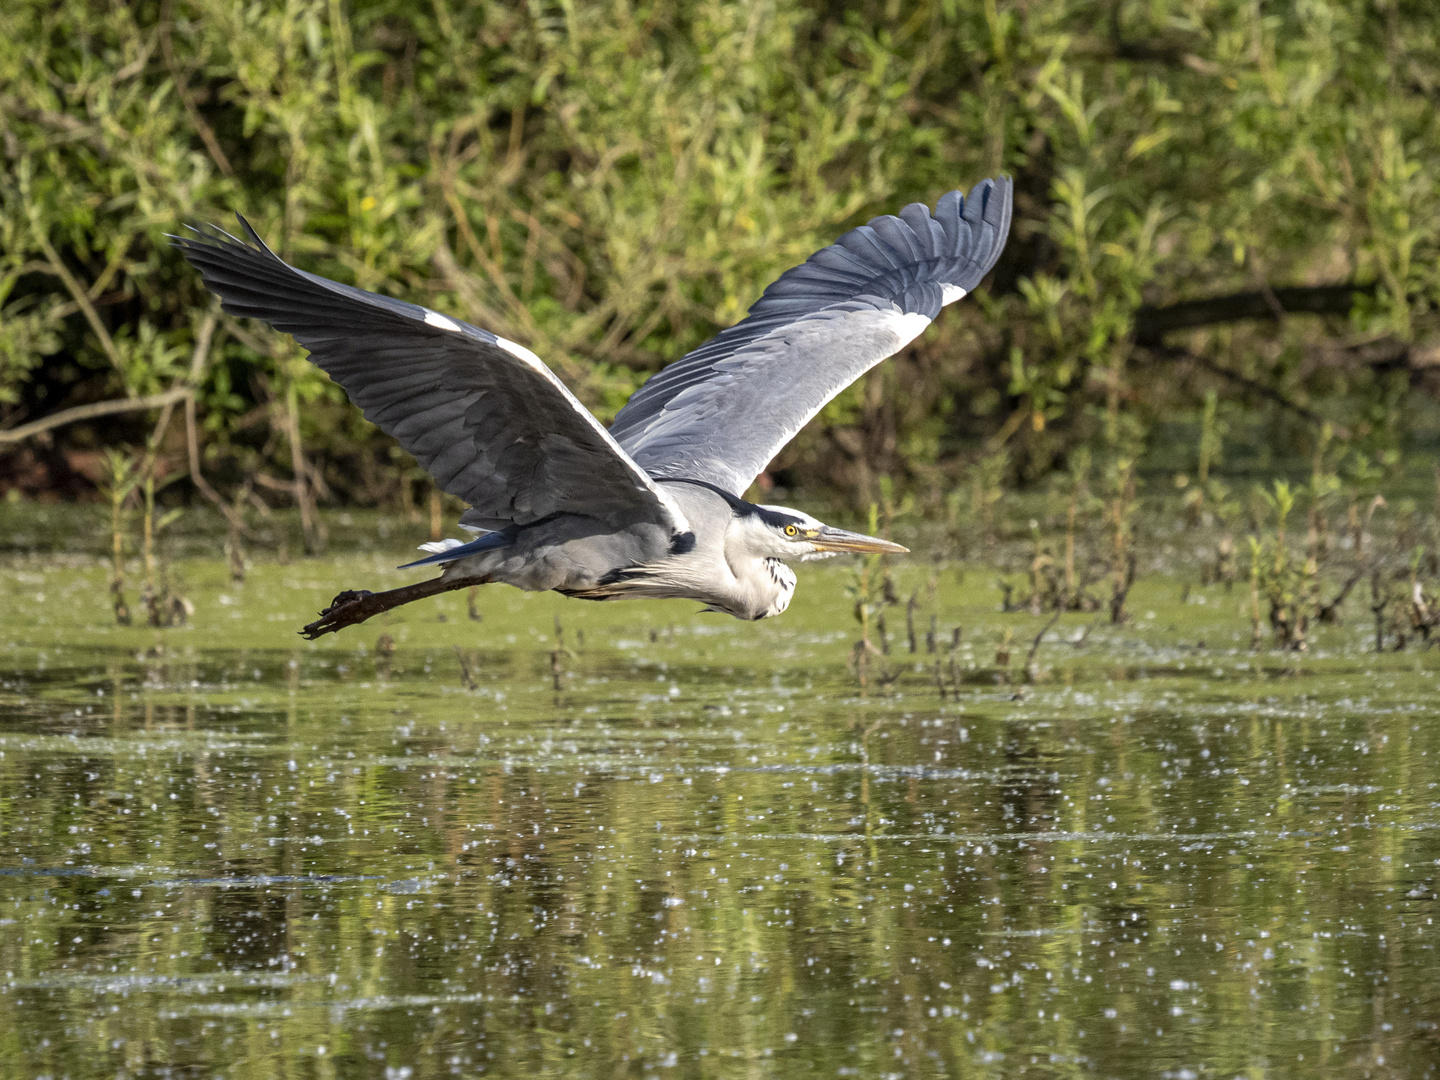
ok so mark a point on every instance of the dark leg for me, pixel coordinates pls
(352, 607)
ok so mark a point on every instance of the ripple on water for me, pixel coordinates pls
(709, 849)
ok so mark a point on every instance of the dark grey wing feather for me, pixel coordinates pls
(722, 412)
(484, 416)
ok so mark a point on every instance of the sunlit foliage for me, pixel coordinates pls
(611, 183)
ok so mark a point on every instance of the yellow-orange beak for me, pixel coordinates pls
(849, 543)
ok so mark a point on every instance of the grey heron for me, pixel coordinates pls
(653, 506)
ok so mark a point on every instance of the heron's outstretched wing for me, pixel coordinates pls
(483, 415)
(722, 412)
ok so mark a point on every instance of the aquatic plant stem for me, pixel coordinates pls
(1070, 513)
(1031, 672)
(1255, 625)
(120, 486)
(1122, 560)
(304, 499)
(149, 594)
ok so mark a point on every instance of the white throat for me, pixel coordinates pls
(764, 585)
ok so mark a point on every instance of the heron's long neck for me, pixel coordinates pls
(763, 586)
(731, 566)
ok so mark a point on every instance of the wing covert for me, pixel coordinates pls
(483, 415)
(722, 412)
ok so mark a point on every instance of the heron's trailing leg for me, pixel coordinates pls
(352, 606)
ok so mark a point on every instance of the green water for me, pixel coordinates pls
(228, 852)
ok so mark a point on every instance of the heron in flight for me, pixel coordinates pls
(654, 505)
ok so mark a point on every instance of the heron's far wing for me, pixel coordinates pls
(722, 412)
(483, 415)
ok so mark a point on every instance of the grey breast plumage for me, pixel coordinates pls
(488, 420)
(722, 412)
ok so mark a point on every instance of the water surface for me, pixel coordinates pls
(228, 852)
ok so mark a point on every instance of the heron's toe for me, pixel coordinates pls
(346, 609)
(347, 597)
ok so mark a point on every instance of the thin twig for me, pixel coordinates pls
(81, 297)
(197, 477)
(182, 88)
(186, 388)
(249, 340)
(1327, 612)
(203, 340)
(1035, 645)
(466, 677)
(1267, 392)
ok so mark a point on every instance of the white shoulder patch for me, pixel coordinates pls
(950, 293)
(522, 353)
(437, 546)
(434, 318)
(907, 326)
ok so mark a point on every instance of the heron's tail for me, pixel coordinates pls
(447, 551)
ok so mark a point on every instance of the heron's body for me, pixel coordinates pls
(580, 557)
(653, 506)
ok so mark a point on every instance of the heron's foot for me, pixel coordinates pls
(350, 607)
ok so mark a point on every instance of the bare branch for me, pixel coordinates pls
(202, 485)
(89, 412)
(1269, 393)
(1153, 323)
(201, 356)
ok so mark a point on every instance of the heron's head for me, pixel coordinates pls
(778, 532)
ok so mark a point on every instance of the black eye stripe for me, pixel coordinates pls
(742, 508)
(780, 521)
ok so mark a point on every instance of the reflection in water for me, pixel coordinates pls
(707, 852)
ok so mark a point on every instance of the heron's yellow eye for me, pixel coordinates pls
(790, 530)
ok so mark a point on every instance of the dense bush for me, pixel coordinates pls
(610, 183)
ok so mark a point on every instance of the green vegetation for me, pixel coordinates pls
(1217, 310)
(611, 183)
